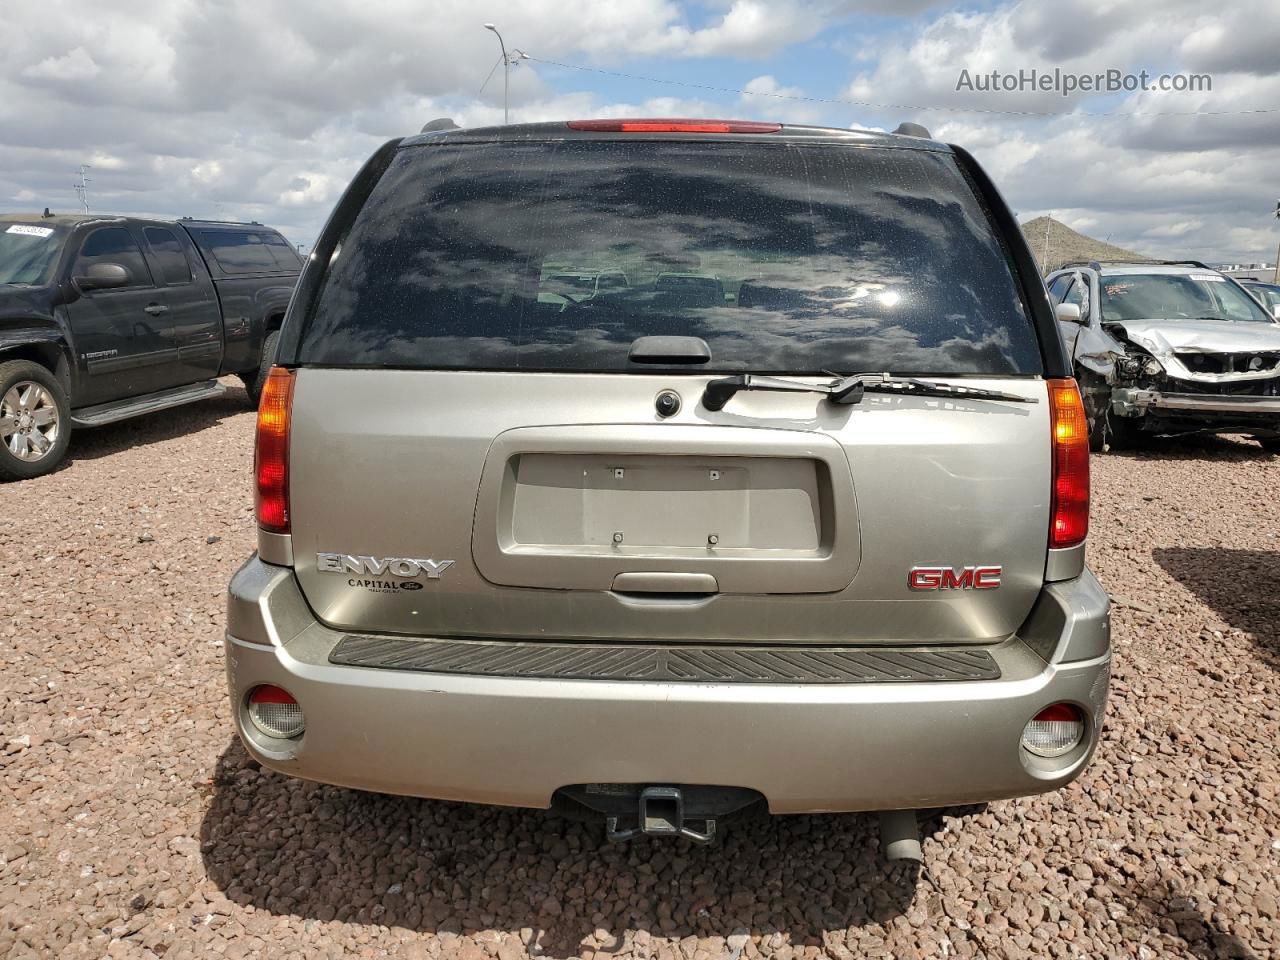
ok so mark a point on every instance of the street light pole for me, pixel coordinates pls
(506, 66)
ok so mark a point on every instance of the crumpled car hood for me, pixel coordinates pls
(1165, 339)
(1208, 336)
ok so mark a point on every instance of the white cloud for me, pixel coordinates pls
(1172, 185)
(207, 173)
(1179, 229)
(1244, 38)
(1168, 204)
(106, 161)
(249, 108)
(748, 28)
(308, 189)
(768, 85)
(77, 64)
(764, 97)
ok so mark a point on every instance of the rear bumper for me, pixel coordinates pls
(806, 747)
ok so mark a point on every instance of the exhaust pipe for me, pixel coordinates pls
(900, 835)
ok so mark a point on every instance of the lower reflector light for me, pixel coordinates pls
(275, 712)
(1054, 731)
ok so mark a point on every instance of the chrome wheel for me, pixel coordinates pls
(29, 421)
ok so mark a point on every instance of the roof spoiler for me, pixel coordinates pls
(909, 129)
(440, 123)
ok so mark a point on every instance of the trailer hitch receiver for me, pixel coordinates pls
(660, 813)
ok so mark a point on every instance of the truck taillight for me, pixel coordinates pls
(1070, 501)
(271, 451)
(668, 125)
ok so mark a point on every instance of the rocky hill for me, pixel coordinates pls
(1066, 245)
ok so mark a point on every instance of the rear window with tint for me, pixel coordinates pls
(285, 256)
(249, 251)
(784, 258)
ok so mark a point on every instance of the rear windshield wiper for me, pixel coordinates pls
(850, 389)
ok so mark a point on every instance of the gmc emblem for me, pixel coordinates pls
(944, 578)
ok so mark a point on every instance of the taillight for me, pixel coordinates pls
(271, 451)
(1070, 503)
(674, 126)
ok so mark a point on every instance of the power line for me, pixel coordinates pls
(898, 106)
(490, 76)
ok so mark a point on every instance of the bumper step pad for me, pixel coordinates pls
(669, 663)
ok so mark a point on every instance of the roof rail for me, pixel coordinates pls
(1097, 264)
(231, 223)
(1186, 263)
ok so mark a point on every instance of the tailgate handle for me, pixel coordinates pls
(655, 582)
(673, 350)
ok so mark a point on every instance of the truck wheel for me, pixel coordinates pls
(35, 420)
(253, 382)
(1270, 444)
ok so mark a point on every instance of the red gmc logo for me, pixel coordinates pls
(945, 578)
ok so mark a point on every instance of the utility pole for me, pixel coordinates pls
(82, 188)
(508, 60)
(1044, 260)
(1276, 278)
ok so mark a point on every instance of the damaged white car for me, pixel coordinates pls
(1168, 348)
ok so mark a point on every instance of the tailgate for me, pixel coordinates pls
(439, 503)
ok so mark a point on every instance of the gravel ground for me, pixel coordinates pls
(132, 824)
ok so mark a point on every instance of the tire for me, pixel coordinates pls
(1270, 444)
(1107, 431)
(253, 382)
(1125, 433)
(35, 420)
(1097, 401)
(1099, 438)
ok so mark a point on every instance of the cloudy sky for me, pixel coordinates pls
(263, 109)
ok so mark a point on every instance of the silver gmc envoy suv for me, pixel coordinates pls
(794, 519)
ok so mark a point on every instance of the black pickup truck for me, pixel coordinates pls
(103, 318)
